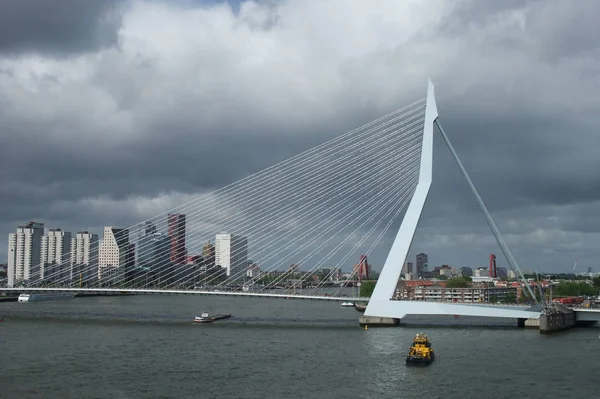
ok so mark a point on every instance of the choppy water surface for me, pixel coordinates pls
(147, 347)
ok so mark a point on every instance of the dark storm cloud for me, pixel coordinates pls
(58, 27)
(554, 28)
(170, 157)
(575, 33)
(527, 158)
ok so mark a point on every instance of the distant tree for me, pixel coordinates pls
(571, 288)
(443, 278)
(535, 276)
(266, 279)
(366, 288)
(493, 299)
(468, 278)
(457, 282)
(596, 281)
(509, 298)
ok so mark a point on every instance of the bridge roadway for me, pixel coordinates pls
(415, 307)
(399, 309)
(587, 315)
(410, 307)
(183, 292)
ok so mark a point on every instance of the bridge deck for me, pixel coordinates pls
(399, 309)
(414, 307)
(591, 315)
(184, 292)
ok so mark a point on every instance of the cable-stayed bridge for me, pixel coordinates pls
(321, 210)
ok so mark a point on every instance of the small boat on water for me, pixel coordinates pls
(421, 351)
(348, 304)
(207, 318)
(360, 307)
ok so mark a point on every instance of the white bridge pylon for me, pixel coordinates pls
(381, 303)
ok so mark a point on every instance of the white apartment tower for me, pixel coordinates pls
(55, 255)
(231, 253)
(24, 254)
(84, 256)
(114, 254)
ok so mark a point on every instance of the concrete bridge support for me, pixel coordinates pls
(556, 319)
(378, 321)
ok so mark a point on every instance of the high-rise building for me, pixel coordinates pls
(362, 270)
(115, 255)
(407, 268)
(153, 258)
(56, 265)
(231, 253)
(154, 252)
(130, 262)
(24, 254)
(11, 265)
(177, 235)
(501, 272)
(482, 272)
(84, 256)
(208, 254)
(149, 228)
(421, 264)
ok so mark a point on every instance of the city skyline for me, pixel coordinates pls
(416, 265)
(41, 256)
(52, 255)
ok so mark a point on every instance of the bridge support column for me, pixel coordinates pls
(375, 321)
(528, 323)
(557, 319)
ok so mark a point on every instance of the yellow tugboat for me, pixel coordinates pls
(421, 351)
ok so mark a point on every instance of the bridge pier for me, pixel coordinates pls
(528, 323)
(556, 319)
(375, 321)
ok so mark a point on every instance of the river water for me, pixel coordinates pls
(147, 347)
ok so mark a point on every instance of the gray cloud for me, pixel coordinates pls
(58, 27)
(213, 96)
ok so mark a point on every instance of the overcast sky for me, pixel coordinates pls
(112, 111)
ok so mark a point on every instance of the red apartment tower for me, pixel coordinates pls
(363, 268)
(493, 272)
(177, 236)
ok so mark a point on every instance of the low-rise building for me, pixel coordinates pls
(426, 290)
